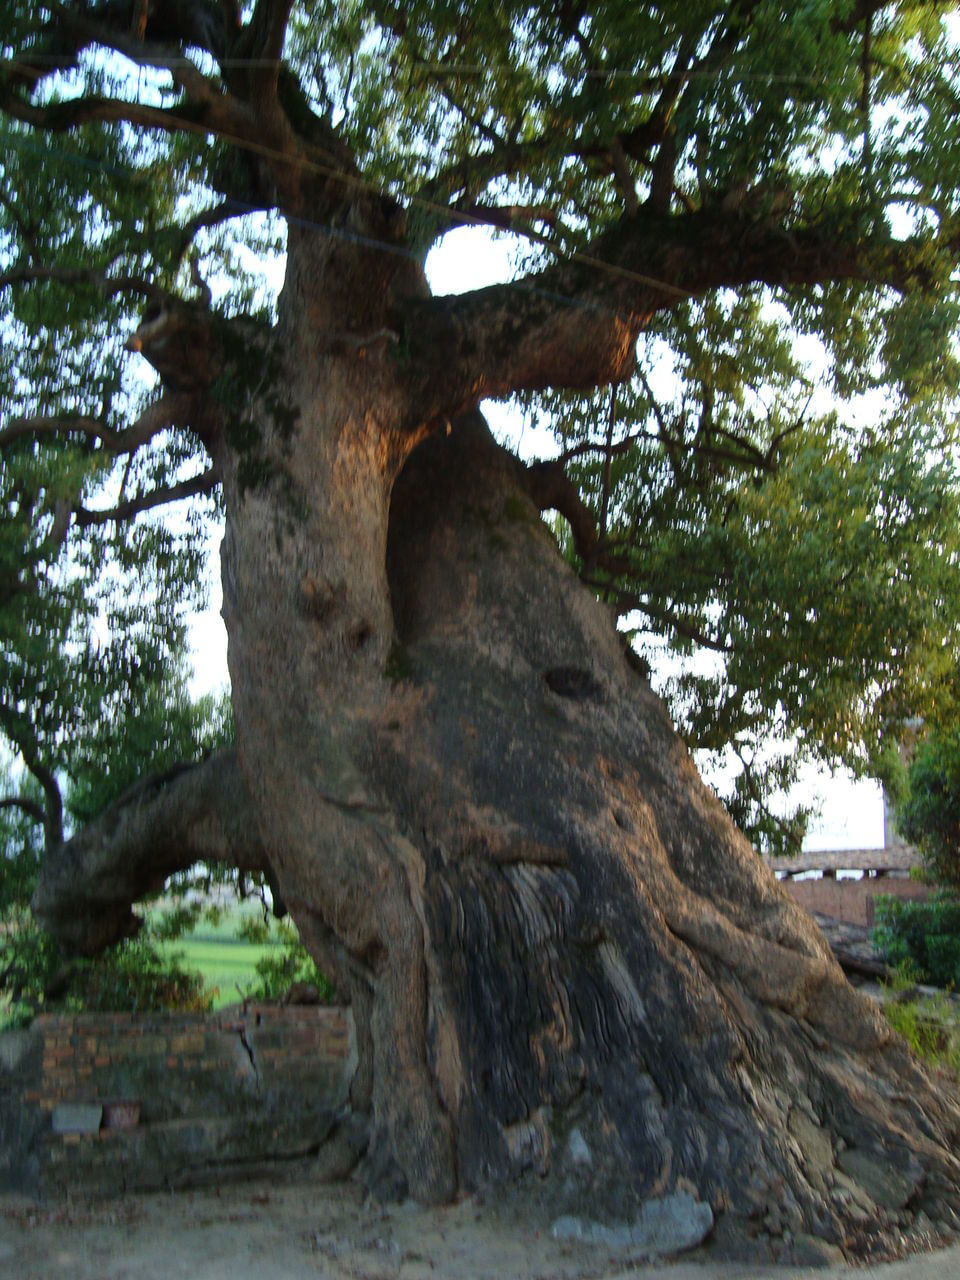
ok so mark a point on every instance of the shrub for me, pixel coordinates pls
(133, 976)
(29, 963)
(928, 807)
(925, 935)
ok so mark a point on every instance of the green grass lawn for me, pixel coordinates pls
(227, 966)
(226, 962)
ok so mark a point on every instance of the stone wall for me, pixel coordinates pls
(219, 1094)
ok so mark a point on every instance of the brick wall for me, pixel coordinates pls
(852, 900)
(217, 1093)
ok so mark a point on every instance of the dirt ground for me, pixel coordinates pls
(262, 1231)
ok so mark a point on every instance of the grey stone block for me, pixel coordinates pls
(77, 1117)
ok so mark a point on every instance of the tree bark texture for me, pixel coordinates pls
(566, 965)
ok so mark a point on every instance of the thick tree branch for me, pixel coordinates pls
(257, 107)
(148, 33)
(608, 463)
(30, 807)
(57, 117)
(244, 109)
(575, 323)
(196, 813)
(508, 217)
(53, 808)
(552, 489)
(205, 482)
(96, 277)
(126, 28)
(270, 20)
(624, 178)
(168, 411)
(211, 217)
(863, 11)
(865, 104)
(53, 814)
(190, 346)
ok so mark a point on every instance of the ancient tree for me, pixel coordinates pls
(466, 792)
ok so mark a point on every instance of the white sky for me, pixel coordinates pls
(469, 258)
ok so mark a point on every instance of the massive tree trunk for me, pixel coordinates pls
(566, 965)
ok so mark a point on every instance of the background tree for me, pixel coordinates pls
(481, 819)
(928, 803)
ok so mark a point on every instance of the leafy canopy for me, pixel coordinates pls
(775, 488)
(928, 802)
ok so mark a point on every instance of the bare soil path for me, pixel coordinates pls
(264, 1231)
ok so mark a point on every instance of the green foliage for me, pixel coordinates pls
(928, 805)
(30, 960)
(285, 964)
(163, 728)
(134, 976)
(21, 849)
(804, 569)
(924, 935)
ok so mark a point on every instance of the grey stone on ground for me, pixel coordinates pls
(666, 1226)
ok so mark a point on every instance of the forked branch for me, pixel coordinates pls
(575, 324)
